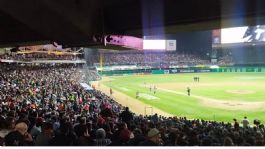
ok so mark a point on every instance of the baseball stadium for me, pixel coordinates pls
(132, 73)
(219, 94)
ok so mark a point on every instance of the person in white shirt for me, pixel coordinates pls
(245, 122)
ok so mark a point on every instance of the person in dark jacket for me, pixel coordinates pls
(138, 138)
(62, 138)
(46, 135)
(19, 137)
(84, 139)
(126, 116)
(154, 138)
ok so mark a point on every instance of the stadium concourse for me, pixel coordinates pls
(45, 105)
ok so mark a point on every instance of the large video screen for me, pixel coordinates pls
(157, 44)
(154, 44)
(239, 34)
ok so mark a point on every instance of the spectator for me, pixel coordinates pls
(84, 139)
(79, 132)
(245, 122)
(19, 137)
(154, 138)
(101, 138)
(137, 139)
(126, 116)
(125, 134)
(35, 130)
(7, 125)
(228, 141)
(236, 124)
(62, 138)
(46, 135)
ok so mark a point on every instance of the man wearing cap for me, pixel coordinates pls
(154, 138)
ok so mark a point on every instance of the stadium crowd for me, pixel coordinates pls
(37, 56)
(157, 59)
(143, 58)
(139, 58)
(45, 105)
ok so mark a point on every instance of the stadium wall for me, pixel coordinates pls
(248, 55)
(182, 70)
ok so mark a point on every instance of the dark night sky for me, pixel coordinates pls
(193, 41)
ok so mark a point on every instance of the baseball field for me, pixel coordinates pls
(217, 96)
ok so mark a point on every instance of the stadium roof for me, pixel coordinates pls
(75, 22)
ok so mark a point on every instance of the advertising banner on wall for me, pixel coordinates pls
(166, 71)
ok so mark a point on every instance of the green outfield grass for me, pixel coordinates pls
(243, 93)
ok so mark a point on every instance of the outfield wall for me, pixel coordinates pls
(240, 69)
(181, 70)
